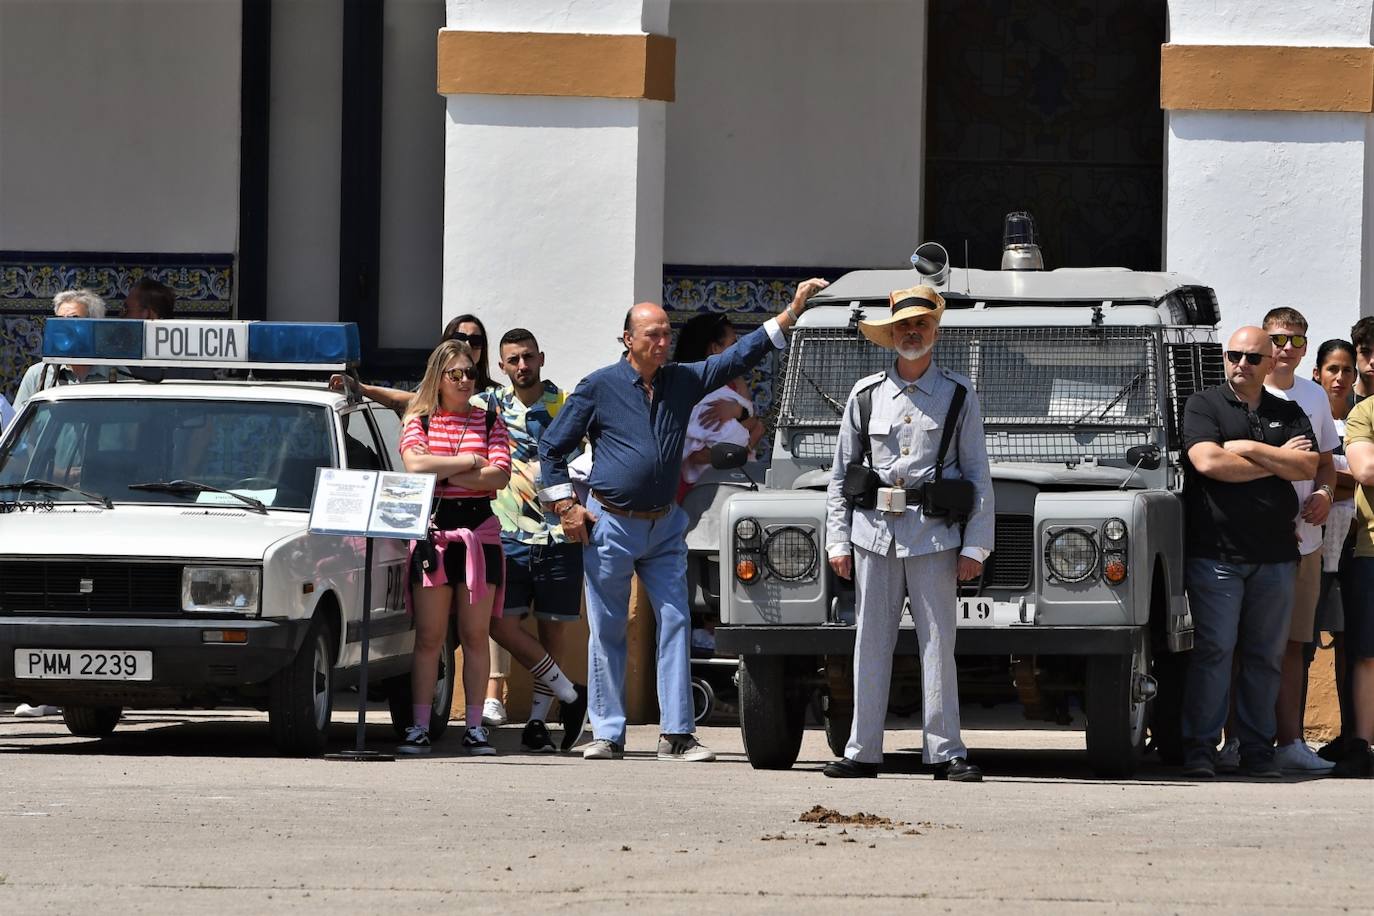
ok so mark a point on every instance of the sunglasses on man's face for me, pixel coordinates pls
(1235, 356)
(1281, 340)
(472, 340)
(457, 375)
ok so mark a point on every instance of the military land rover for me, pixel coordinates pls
(1082, 376)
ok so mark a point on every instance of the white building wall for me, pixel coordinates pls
(797, 134)
(304, 167)
(119, 125)
(1272, 208)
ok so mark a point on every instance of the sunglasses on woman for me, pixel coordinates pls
(1235, 356)
(457, 375)
(472, 340)
(1281, 340)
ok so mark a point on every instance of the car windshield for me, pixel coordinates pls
(263, 450)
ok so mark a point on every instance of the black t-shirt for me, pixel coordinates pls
(1249, 522)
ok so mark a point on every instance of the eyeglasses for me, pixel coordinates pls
(456, 375)
(1281, 340)
(1254, 359)
(472, 340)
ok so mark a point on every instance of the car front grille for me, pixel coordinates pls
(1012, 557)
(89, 587)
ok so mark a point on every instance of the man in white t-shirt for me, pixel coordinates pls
(1287, 329)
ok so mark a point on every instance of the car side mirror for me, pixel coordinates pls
(728, 455)
(1143, 456)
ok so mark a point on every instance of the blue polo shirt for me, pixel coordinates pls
(637, 443)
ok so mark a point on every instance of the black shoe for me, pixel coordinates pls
(1200, 765)
(416, 742)
(1261, 768)
(957, 769)
(1358, 762)
(844, 768)
(535, 738)
(574, 718)
(1333, 750)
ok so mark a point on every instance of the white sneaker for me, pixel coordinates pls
(493, 713)
(1228, 757)
(1299, 758)
(25, 711)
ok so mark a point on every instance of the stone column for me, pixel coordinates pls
(1269, 165)
(553, 196)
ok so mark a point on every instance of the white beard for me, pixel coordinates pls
(915, 354)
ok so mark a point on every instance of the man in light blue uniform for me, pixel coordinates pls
(896, 549)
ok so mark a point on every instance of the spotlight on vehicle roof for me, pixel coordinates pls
(932, 262)
(1019, 248)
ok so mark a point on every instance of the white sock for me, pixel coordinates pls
(549, 674)
(539, 705)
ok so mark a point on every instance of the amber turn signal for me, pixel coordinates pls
(1115, 571)
(746, 570)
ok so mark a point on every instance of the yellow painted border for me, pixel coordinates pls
(559, 64)
(1266, 78)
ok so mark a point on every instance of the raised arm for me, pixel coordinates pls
(750, 349)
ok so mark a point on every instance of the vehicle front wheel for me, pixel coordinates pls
(1118, 690)
(91, 721)
(301, 697)
(398, 694)
(772, 713)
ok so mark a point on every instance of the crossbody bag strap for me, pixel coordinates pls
(866, 414)
(956, 404)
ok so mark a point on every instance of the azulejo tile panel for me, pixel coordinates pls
(203, 283)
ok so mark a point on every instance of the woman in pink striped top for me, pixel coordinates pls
(446, 435)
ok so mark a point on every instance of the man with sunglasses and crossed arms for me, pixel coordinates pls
(1287, 329)
(1242, 447)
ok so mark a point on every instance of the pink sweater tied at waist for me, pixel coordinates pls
(475, 571)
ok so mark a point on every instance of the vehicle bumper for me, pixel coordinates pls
(839, 640)
(184, 665)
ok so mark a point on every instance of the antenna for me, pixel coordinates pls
(967, 288)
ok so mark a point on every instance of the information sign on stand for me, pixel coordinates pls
(369, 504)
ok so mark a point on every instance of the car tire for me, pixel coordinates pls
(839, 722)
(703, 700)
(91, 721)
(1117, 719)
(772, 712)
(398, 693)
(301, 695)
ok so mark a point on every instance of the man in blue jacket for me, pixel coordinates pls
(635, 415)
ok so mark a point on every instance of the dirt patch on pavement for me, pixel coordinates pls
(826, 816)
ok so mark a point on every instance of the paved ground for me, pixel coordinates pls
(191, 812)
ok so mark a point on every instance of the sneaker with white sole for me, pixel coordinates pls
(476, 742)
(535, 738)
(684, 747)
(603, 749)
(416, 742)
(494, 713)
(25, 711)
(1228, 757)
(1299, 758)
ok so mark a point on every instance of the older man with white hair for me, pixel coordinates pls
(71, 303)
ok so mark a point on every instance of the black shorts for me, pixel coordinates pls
(452, 514)
(1357, 590)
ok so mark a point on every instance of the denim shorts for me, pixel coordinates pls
(547, 577)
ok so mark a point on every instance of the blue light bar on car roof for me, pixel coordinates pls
(242, 344)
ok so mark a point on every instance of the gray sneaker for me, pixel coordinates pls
(603, 749)
(684, 747)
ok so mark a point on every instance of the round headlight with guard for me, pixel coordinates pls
(746, 529)
(1114, 529)
(790, 553)
(1071, 554)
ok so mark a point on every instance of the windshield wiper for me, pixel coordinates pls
(834, 405)
(34, 483)
(1120, 393)
(195, 486)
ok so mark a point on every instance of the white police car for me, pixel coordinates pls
(154, 549)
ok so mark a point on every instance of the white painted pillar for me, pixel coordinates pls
(1273, 207)
(553, 204)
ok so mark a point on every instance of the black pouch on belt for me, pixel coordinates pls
(949, 498)
(425, 559)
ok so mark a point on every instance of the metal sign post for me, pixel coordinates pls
(360, 750)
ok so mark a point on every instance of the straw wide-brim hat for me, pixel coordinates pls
(904, 303)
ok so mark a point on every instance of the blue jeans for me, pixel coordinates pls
(657, 551)
(1237, 608)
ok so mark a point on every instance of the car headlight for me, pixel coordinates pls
(1071, 554)
(231, 589)
(746, 529)
(790, 553)
(1114, 529)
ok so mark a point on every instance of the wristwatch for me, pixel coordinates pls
(1330, 493)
